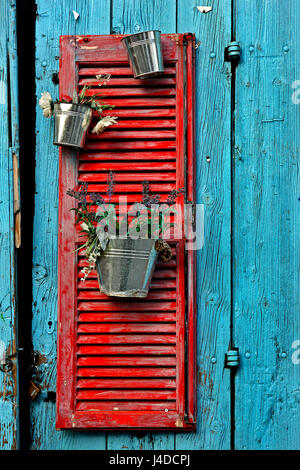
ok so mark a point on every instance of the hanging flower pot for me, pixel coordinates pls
(144, 52)
(71, 124)
(125, 267)
(72, 119)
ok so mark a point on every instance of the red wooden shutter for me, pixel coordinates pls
(128, 363)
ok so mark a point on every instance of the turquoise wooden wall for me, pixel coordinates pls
(247, 152)
(9, 155)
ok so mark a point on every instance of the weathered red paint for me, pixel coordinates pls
(128, 363)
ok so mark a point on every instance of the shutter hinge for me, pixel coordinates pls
(232, 52)
(232, 358)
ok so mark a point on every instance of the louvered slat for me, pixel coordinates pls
(126, 372)
(126, 339)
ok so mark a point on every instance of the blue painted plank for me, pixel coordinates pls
(9, 148)
(54, 18)
(132, 16)
(213, 114)
(127, 18)
(266, 226)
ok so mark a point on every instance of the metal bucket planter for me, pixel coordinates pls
(144, 52)
(71, 124)
(125, 268)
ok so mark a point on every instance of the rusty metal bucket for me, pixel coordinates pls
(126, 266)
(71, 124)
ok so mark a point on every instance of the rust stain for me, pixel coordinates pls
(10, 392)
(40, 358)
(205, 379)
(201, 377)
(17, 207)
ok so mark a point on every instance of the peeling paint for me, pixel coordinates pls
(87, 47)
(179, 422)
(204, 9)
(75, 14)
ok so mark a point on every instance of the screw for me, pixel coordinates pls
(284, 354)
(286, 48)
(213, 360)
(247, 354)
(251, 48)
(212, 55)
(44, 63)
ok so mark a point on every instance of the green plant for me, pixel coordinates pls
(47, 104)
(97, 214)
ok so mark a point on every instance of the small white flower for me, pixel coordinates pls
(104, 123)
(85, 272)
(84, 226)
(47, 112)
(105, 78)
(45, 103)
(92, 258)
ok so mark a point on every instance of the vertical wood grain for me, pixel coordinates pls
(213, 115)
(131, 17)
(54, 18)
(9, 148)
(266, 225)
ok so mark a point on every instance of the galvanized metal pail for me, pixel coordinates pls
(71, 124)
(144, 51)
(125, 268)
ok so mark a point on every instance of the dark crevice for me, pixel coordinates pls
(26, 13)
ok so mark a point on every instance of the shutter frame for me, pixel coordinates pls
(178, 48)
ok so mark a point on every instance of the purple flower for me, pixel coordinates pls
(97, 198)
(173, 195)
(111, 183)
